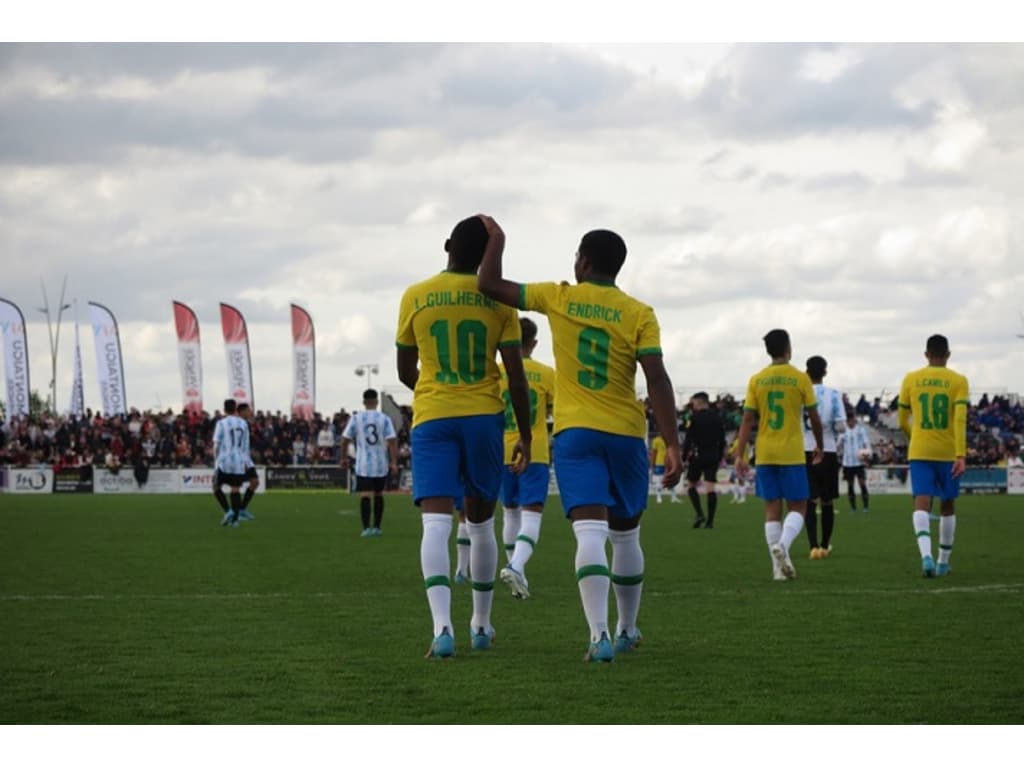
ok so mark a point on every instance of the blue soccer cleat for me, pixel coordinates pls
(443, 646)
(601, 650)
(625, 642)
(461, 578)
(928, 566)
(943, 569)
(226, 520)
(367, 533)
(483, 638)
(243, 514)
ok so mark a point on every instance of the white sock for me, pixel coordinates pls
(526, 541)
(592, 574)
(791, 527)
(511, 521)
(627, 577)
(483, 563)
(772, 534)
(462, 550)
(435, 562)
(923, 530)
(947, 530)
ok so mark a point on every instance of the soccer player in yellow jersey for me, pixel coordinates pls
(599, 334)
(523, 494)
(448, 334)
(933, 405)
(657, 456)
(777, 398)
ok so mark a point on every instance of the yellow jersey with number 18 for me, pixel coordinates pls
(540, 379)
(779, 394)
(597, 332)
(457, 331)
(933, 411)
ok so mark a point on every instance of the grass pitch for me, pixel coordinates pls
(144, 610)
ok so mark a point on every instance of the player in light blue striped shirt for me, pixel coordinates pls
(232, 460)
(376, 456)
(823, 477)
(853, 447)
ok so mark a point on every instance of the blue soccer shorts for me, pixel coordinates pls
(782, 481)
(456, 457)
(599, 468)
(529, 489)
(934, 478)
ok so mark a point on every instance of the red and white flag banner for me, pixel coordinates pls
(190, 359)
(303, 364)
(236, 346)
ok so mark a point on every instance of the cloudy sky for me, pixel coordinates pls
(862, 196)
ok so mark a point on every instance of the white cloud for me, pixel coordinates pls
(823, 66)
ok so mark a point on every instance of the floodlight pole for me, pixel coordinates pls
(54, 337)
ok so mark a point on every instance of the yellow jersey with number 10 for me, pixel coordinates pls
(779, 394)
(597, 332)
(933, 411)
(540, 379)
(457, 331)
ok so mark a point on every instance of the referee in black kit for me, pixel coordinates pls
(703, 449)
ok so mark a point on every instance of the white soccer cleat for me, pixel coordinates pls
(782, 561)
(516, 582)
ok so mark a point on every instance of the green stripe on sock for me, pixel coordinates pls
(923, 533)
(592, 570)
(483, 586)
(509, 547)
(627, 581)
(462, 542)
(947, 547)
(437, 581)
(527, 539)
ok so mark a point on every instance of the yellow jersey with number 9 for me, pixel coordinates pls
(457, 331)
(540, 379)
(597, 332)
(779, 394)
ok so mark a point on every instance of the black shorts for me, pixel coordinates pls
(851, 472)
(226, 478)
(823, 479)
(251, 474)
(698, 467)
(367, 484)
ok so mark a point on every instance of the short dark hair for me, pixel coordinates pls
(466, 244)
(230, 405)
(528, 328)
(605, 250)
(702, 396)
(776, 341)
(244, 406)
(816, 366)
(937, 345)
(370, 394)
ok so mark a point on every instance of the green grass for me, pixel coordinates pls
(144, 610)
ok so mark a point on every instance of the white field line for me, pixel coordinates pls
(922, 590)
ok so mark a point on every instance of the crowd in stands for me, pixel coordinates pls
(168, 439)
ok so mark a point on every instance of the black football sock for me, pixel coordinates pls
(249, 493)
(811, 523)
(364, 511)
(695, 498)
(236, 502)
(864, 496)
(221, 499)
(828, 521)
(712, 506)
(378, 511)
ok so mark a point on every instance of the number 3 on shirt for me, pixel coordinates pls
(592, 351)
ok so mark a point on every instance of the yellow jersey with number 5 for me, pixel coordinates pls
(540, 379)
(457, 331)
(933, 411)
(597, 332)
(779, 394)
